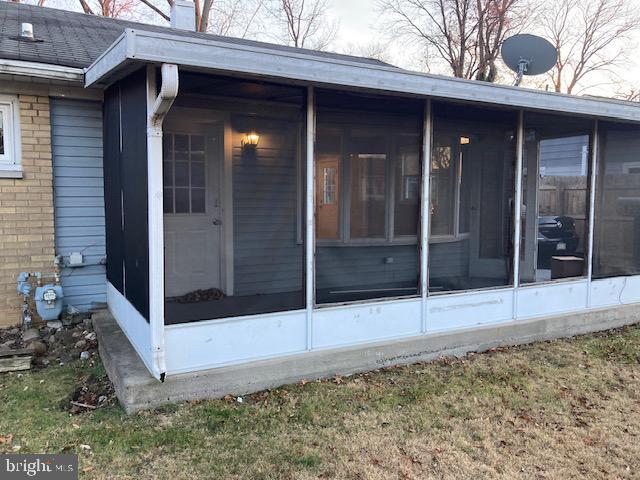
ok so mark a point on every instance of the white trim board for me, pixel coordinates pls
(132, 323)
(135, 46)
(41, 70)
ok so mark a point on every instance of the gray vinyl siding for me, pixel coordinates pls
(564, 156)
(361, 266)
(449, 259)
(76, 130)
(267, 256)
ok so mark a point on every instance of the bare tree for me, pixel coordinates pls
(304, 23)
(591, 37)
(465, 34)
(107, 8)
(375, 49)
(40, 3)
(222, 17)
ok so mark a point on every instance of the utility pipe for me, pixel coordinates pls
(157, 108)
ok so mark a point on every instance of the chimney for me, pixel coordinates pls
(183, 15)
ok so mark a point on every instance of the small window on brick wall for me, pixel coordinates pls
(9, 136)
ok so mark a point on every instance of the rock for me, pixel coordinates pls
(87, 323)
(55, 325)
(80, 344)
(90, 337)
(66, 358)
(84, 355)
(76, 334)
(39, 348)
(65, 337)
(52, 339)
(31, 335)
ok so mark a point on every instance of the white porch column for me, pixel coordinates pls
(158, 104)
(593, 169)
(517, 210)
(310, 246)
(425, 223)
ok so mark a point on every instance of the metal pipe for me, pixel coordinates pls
(157, 108)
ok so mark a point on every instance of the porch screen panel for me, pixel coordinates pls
(233, 199)
(617, 209)
(367, 202)
(470, 200)
(555, 197)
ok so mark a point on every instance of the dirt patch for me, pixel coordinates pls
(94, 393)
(11, 338)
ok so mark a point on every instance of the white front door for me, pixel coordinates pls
(192, 210)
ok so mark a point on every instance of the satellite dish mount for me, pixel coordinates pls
(528, 55)
(523, 66)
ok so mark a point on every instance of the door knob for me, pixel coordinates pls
(217, 221)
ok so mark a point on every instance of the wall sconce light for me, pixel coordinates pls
(465, 140)
(250, 140)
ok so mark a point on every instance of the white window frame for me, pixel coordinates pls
(11, 160)
(457, 235)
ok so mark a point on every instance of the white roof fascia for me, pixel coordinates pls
(41, 70)
(144, 46)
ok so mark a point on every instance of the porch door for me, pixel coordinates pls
(489, 247)
(327, 195)
(192, 210)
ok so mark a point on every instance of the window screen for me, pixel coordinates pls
(234, 199)
(617, 209)
(555, 197)
(470, 200)
(368, 177)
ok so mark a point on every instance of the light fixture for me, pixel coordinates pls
(250, 140)
(465, 140)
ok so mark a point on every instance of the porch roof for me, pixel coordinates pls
(135, 47)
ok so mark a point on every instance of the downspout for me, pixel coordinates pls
(157, 108)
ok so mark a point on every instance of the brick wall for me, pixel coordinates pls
(26, 208)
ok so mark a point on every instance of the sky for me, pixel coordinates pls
(359, 25)
(358, 19)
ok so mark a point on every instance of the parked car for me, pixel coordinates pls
(556, 236)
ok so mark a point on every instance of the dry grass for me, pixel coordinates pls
(560, 409)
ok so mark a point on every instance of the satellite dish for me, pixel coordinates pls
(528, 55)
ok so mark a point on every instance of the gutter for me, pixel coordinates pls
(157, 108)
(41, 70)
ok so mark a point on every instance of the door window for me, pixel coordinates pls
(184, 173)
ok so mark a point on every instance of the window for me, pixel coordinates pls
(329, 186)
(9, 136)
(367, 206)
(368, 195)
(382, 171)
(184, 174)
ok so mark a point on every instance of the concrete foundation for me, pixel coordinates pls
(137, 389)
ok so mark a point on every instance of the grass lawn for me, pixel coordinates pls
(562, 409)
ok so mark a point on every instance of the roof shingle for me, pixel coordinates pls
(75, 39)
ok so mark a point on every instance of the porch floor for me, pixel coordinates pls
(235, 306)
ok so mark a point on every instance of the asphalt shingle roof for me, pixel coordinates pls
(75, 39)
